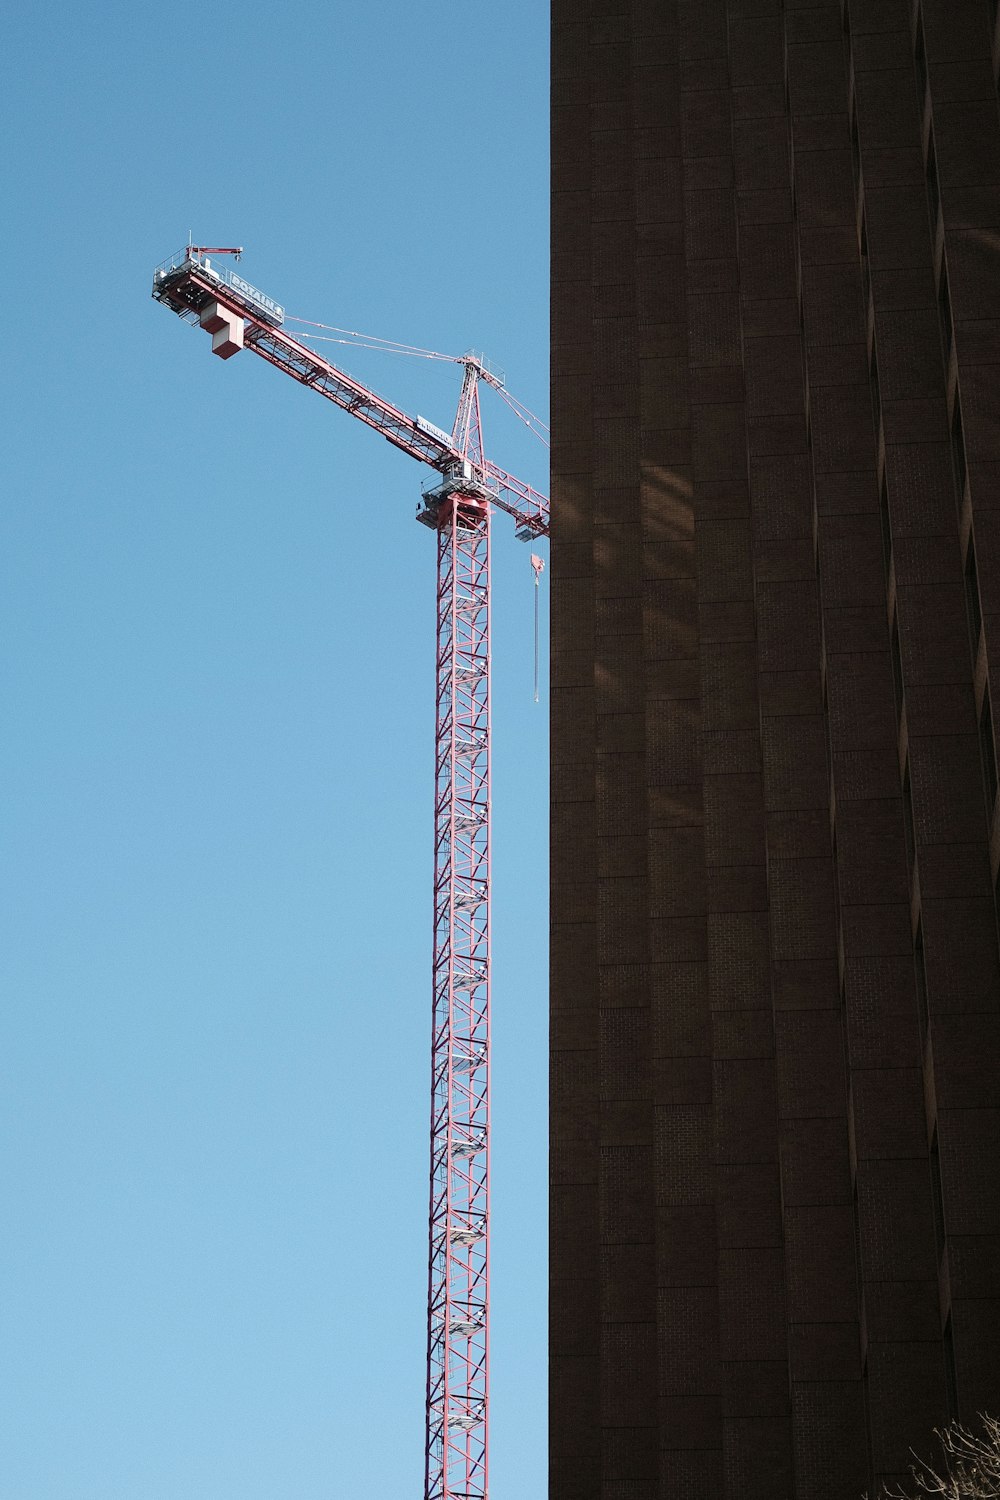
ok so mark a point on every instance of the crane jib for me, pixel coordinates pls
(190, 288)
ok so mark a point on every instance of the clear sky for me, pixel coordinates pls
(217, 627)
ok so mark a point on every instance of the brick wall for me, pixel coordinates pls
(775, 585)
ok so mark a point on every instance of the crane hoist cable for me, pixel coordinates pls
(538, 568)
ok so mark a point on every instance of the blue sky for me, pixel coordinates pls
(217, 625)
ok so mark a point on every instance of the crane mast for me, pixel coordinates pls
(458, 1266)
(457, 507)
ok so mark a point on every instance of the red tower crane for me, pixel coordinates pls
(458, 508)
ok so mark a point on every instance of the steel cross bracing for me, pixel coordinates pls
(458, 508)
(457, 1455)
(458, 1290)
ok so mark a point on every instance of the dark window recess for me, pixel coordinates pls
(897, 666)
(869, 1443)
(937, 1196)
(920, 62)
(908, 829)
(933, 187)
(873, 1476)
(989, 755)
(944, 295)
(958, 450)
(944, 313)
(972, 598)
(855, 142)
(876, 388)
(920, 972)
(883, 507)
(950, 1371)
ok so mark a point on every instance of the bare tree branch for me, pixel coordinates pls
(969, 1467)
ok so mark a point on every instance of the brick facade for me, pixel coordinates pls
(775, 1160)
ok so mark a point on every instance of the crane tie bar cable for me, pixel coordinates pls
(353, 339)
(373, 340)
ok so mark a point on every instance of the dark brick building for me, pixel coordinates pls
(776, 661)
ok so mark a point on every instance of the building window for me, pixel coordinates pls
(989, 755)
(897, 665)
(937, 1197)
(933, 188)
(920, 62)
(958, 447)
(921, 978)
(855, 141)
(972, 598)
(908, 830)
(886, 528)
(876, 389)
(944, 312)
(950, 1370)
